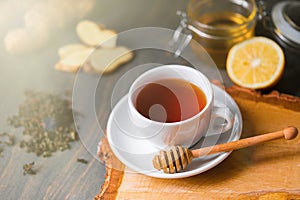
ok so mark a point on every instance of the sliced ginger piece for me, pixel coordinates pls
(70, 48)
(106, 60)
(74, 60)
(92, 34)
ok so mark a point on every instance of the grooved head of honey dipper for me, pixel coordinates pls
(172, 161)
(156, 162)
(290, 133)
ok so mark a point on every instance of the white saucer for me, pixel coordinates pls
(137, 153)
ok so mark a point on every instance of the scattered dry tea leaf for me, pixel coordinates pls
(82, 160)
(105, 60)
(9, 141)
(49, 130)
(73, 61)
(70, 48)
(5, 141)
(28, 169)
(92, 34)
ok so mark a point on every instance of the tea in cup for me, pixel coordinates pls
(173, 105)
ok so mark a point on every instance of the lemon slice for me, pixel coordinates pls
(256, 63)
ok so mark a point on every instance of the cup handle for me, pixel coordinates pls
(221, 118)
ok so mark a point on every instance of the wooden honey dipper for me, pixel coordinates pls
(178, 157)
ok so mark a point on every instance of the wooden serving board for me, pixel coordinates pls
(267, 171)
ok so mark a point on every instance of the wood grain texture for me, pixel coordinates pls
(267, 171)
(113, 177)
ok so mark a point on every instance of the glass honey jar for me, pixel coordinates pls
(218, 25)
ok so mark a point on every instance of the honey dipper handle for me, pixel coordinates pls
(288, 133)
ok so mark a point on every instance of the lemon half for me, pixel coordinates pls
(256, 63)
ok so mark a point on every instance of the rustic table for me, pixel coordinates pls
(61, 176)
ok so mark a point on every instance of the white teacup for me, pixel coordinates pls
(184, 132)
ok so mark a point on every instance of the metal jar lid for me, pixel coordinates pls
(286, 20)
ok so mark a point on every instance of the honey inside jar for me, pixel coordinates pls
(217, 26)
